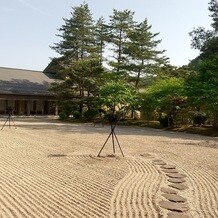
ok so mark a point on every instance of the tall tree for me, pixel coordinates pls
(200, 36)
(79, 50)
(201, 87)
(78, 40)
(120, 23)
(213, 8)
(141, 50)
(101, 37)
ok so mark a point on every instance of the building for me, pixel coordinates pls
(26, 91)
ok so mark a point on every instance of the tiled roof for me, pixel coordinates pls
(24, 82)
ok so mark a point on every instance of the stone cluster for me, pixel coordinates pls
(173, 202)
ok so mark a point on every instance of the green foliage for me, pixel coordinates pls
(90, 114)
(101, 36)
(142, 56)
(164, 96)
(65, 96)
(120, 23)
(77, 34)
(85, 75)
(199, 37)
(168, 70)
(164, 91)
(213, 8)
(77, 115)
(202, 88)
(138, 66)
(80, 61)
(63, 115)
(210, 49)
(207, 40)
(117, 94)
(82, 47)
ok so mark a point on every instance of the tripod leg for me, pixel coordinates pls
(4, 123)
(112, 131)
(113, 142)
(13, 123)
(118, 143)
(104, 144)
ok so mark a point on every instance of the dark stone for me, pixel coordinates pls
(146, 155)
(168, 190)
(176, 175)
(170, 170)
(179, 207)
(174, 197)
(168, 167)
(176, 180)
(178, 186)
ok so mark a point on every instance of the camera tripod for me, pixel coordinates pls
(113, 135)
(9, 120)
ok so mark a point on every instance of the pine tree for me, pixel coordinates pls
(142, 54)
(200, 36)
(201, 87)
(120, 23)
(213, 8)
(78, 40)
(79, 51)
(101, 37)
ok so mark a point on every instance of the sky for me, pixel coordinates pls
(28, 27)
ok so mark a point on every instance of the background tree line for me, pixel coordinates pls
(138, 74)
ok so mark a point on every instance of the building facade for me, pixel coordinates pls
(26, 92)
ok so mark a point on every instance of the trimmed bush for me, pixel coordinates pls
(63, 115)
(77, 115)
(90, 114)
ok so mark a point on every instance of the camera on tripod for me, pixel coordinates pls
(112, 117)
(9, 110)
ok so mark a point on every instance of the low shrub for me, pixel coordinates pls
(77, 115)
(163, 121)
(90, 114)
(63, 115)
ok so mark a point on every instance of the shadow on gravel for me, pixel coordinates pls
(89, 128)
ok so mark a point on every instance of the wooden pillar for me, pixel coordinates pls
(42, 105)
(35, 107)
(46, 107)
(28, 107)
(6, 105)
(18, 107)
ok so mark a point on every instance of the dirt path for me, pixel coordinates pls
(50, 169)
